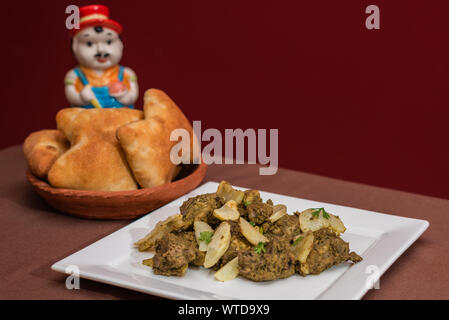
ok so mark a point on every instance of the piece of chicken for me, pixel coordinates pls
(328, 250)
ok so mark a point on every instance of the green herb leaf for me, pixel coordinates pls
(206, 236)
(316, 213)
(247, 203)
(261, 230)
(260, 248)
(297, 241)
(252, 223)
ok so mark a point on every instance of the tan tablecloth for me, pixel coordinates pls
(33, 236)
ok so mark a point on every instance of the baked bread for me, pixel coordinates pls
(158, 104)
(147, 144)
(42, 148)
(95, 160)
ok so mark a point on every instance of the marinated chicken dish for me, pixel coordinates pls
(235, 233)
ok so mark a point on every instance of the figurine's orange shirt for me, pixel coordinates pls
(100, 80)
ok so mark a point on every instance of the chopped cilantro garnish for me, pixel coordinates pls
(260, 248)
(206, 236)
(247, 203)
(297, 241)
(316, 213)
(254, 225)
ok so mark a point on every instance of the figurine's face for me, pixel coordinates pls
(97, 48)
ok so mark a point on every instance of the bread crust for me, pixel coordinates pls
(42, 148)
(95, 160)
(147, 142)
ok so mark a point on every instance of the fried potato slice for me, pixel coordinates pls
(304, 245)
(218, 245)
(229, 271)
(336, 224)
(148, 262)
(227, 212)
(252, 234)
(304, 269)
(310, 222)
(279, 211)
(199, 227)
(170, 224)
(226, 192)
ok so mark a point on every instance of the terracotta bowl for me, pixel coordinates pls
(118, 204)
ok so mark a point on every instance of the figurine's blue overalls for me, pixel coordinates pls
(102, 93)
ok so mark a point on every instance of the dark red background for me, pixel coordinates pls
(367, 106)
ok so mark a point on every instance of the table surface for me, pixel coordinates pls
(33, 236)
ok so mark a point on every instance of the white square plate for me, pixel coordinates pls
(379, 238)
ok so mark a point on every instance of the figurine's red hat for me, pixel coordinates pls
(96, 15)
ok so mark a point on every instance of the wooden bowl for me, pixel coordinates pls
(118, 204)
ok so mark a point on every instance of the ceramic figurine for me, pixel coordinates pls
(99, 81)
